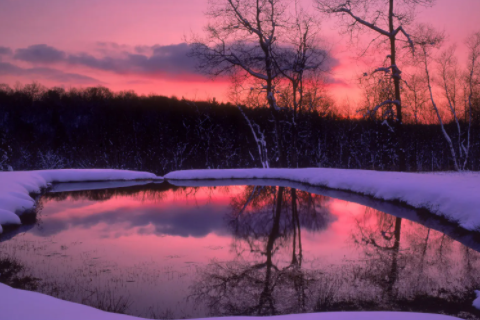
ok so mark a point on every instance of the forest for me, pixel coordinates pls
(96, 128)
(419, 108)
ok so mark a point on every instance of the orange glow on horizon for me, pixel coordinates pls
(132, 25)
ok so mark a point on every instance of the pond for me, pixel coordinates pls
(168, 252)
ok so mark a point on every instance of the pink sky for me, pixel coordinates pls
(90, 38)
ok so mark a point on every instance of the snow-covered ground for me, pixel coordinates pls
(476, 302)
(26, 305)
(15, 187)
(455, 196)
(452, 195)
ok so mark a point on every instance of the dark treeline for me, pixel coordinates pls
(96, 128)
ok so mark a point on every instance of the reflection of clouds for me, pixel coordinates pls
(173, 220)
(121, 217)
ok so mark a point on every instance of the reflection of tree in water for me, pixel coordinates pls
(400, 265)
(407, 266)
(266, 224)
(380, 242)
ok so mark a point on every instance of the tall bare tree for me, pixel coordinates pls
(240, 38)
(427, 39)
(473, 79)
(299, 59)
(386, 19)
(449, 75)
(265, 42)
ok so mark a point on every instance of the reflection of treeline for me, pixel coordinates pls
(94, 127)
(147, 191)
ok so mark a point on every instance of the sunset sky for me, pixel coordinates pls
(139, 44)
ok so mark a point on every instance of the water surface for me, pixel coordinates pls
(185, 252)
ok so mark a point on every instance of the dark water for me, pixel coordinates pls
(185, 252)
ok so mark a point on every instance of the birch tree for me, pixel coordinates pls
(449, 78)
(428, 39)
(387, 19)
(260, 140)
(473, 79)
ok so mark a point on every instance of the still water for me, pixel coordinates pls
(170, 252)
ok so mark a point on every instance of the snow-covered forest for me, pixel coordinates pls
(96, 128)
(419, 109)
(330, 162)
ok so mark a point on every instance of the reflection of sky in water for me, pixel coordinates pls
(158, 249)
(166, 220)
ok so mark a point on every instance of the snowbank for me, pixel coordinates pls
(26, 305)
(455, 196)
(476, 302)
(15, 187)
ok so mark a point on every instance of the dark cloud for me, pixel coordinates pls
(106, 64)
(47, 73)
(5, 51)
(40, 53)
(171, 60)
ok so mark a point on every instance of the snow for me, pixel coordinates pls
(26, 305)
(467, 239)
(476, 302)
(453, 195)
(16, 187)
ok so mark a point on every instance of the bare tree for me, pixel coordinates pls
(416, 96)
(259, 136)
(449, 74)
(241, 37)
(387, 19)
(473, 79)
(427, 39)
(298, 60)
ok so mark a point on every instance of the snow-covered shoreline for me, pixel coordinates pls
(16, 187)
(452, 195)
(27, 305)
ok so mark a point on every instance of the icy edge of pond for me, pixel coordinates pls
(453, 195)
(476, 302)
(43, 307)
(15, 187)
